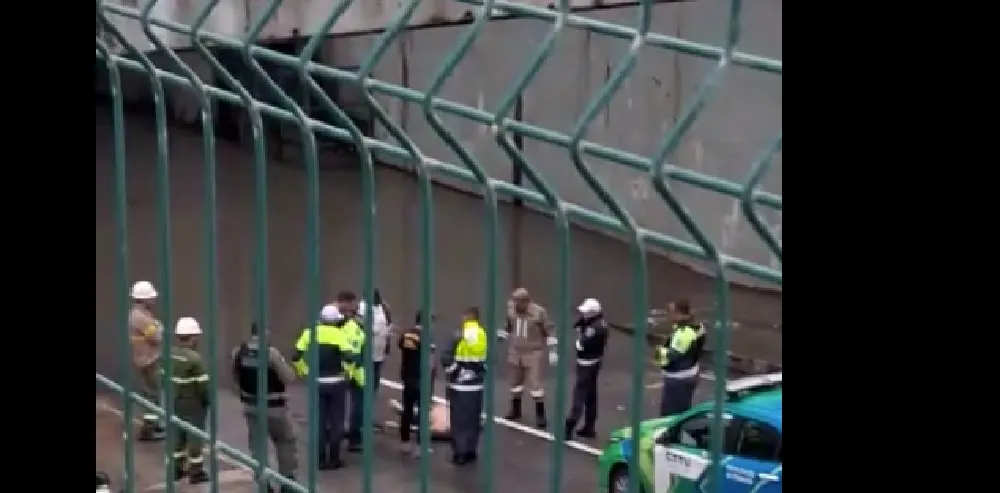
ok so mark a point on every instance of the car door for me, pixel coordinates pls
(755, 464)
(681, 455)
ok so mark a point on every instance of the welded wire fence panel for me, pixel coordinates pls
(119, 52)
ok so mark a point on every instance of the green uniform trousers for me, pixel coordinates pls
(149, 388)
(281, 431)
(188, 448)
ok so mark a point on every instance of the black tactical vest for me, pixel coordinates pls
(246, 370)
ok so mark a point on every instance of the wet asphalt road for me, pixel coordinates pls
(522, 461)
(614, 388)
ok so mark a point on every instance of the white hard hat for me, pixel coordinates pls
(589, 306)
(143, 290)
(187, 326)
(330, 313)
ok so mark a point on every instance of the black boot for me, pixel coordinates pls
(286, 489)
(570, 428)
(588, 431)
(515, 409)
(102, 480)
(180, 469)
(151, 433)
(541, 422)
(354, 441)
(197, 476)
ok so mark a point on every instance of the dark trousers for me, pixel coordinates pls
(358, 403)
(466, 407)
(331, 419)
(411, 399)
(585, 395)
(188, 447)
(676, 395)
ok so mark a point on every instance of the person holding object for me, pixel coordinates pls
(592, 337)
(678, 359)
(530, 333)
(246, 368)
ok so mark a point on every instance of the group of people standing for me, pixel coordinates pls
(338, 341)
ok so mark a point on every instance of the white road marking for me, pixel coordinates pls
(544, 435)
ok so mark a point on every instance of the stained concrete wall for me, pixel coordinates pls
(733, 129)
(738, 123)
(599, 263)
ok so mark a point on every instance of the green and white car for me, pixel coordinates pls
(673, 451)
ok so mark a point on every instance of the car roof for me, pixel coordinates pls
(765, 406)
(755, 396)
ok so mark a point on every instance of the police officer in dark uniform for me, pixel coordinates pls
(592, 336)
(410, 371)
(338, 362)
(246, 361)
(678, 360)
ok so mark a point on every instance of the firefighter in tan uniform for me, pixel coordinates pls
(530, 334)
(146, 335)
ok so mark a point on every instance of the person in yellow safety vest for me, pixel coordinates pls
(347, 302)
(464, 365)
(337, 362)
(678, 360)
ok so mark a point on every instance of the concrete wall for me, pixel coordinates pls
(304, 17)
(599, 263)
(739, 122)
(743, 117)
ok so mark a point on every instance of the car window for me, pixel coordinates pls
(695, 432)
(758, 441)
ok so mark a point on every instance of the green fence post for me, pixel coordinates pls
(311, 246)
(368, 227)
(639, 281)
(121, 243)
(211, 206)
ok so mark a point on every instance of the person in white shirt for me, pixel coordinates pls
(380, 333)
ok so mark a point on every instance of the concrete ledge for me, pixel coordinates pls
(738, 364)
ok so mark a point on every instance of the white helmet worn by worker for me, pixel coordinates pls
(187, 326)
(590, 306)
(330, 314)
(143, 290)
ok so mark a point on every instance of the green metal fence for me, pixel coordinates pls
(468, 169)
